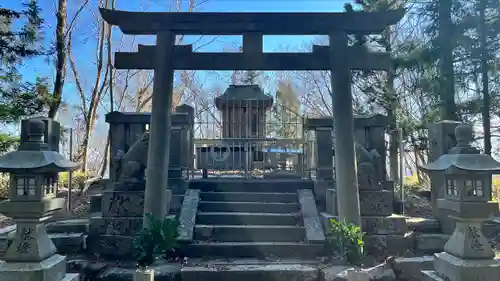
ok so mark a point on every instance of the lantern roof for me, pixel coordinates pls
(34, 155)
(463, 156)
(243, 95)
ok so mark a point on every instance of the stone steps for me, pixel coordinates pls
(253, 207)
(253, 219)
(244, 218)
(277, 197)
(253, 233)
(251, 185)
(253, 249)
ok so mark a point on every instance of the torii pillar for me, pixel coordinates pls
(343, 128)
(159, 142)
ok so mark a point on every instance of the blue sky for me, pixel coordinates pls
(84, 42)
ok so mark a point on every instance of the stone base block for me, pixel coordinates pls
(251, 272)
(449, 267)
(324, 173)
(320, 193)
(128, 226)
(116, 246)
(394, 224)
(427, 243)
(96, 203)
(50, 269)
(383, 245)
(71, 277)
(122, 203)
(331, 201)
(376, 203)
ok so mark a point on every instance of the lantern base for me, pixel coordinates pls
(449, 267)
(50, 269)
(468, 242)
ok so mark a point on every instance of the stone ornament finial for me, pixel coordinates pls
(36, 129)
(464, 134)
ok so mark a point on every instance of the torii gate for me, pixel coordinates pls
(165, 57)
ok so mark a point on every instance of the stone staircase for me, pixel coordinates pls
(255, 218)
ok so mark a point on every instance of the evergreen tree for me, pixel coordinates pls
(18, 97)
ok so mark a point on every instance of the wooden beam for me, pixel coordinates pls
(239, 23)
(188, 60)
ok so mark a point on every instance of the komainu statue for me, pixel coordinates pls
(369, 167)
(131, 166)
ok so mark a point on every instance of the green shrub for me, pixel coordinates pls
(4, 186)
(347, 240)
(495, 188)
(158, 240)
(78, 179)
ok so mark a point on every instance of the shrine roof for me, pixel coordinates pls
(190, 23)
(239, 94)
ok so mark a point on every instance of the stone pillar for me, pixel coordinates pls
(441, 139)
(324, 170)
(156, 195)
(189, 157)
(343, 127)
(324, 154)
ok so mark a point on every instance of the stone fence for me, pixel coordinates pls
(127, 127)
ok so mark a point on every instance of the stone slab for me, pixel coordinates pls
(116, 246)
(450, 267)
(392, 244)
(267, 272)
(163, 272)
(312, 222)
(50, 269)
(255, 185)
(331, 201)
(239, 218)
(410, 269)
(423, 225)
(262, 250)
(250, 197)
(71, 277)
(128, 226)
(257, 207)
(122, 203)
(68, 243)
(430, 243)
(187, 217)
(69, 226)
(175, 203)
(95, 203)
(245, 233)
(376, 203)
(394, 224)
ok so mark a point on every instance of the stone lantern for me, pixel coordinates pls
(33, 171)
(467, 254)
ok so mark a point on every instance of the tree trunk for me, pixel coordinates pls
(448, 107)
(484, 78)
(55, 100)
